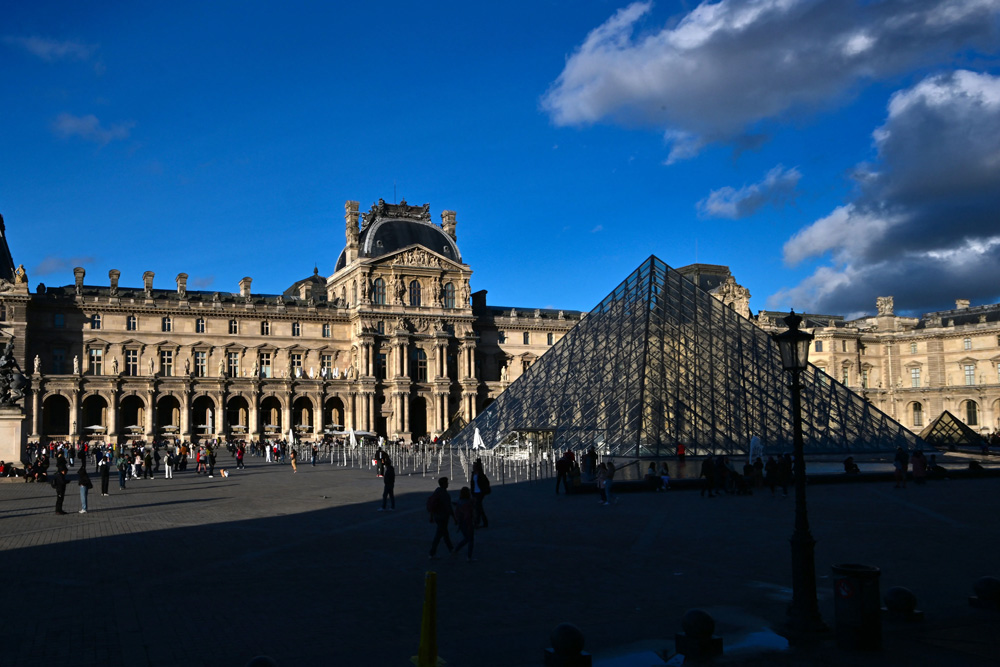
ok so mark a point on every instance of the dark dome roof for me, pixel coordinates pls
(315, 278)
(387, 235)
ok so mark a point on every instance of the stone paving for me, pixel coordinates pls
(301, 567)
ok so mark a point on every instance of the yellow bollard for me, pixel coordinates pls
(427, 654)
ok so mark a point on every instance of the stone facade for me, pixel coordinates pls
(393, 342)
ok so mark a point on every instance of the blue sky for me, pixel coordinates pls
(828, 152)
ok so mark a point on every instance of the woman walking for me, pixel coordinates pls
(85, 485)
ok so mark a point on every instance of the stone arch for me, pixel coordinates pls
(238, 414)
(168, 414)
(55, 415)
(915, 413)
(303, 415)
(203, 416)
(970, 413)
(333, 413)
(133, 413)
(418, 417)
(270, 415)
(94, 412)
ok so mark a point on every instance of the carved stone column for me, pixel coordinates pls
(74, 415)
(36, 408)
(185, 424)
(350, 411)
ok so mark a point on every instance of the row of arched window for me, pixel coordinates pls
(378, 295)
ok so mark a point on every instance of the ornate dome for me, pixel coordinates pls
(387, 228)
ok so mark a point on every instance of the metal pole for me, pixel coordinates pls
(804, 611)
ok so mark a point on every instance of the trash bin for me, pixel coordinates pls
(857, 606)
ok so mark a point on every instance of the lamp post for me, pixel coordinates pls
(804, 611)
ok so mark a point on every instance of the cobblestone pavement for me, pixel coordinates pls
(301, 567)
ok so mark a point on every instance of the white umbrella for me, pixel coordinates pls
(95, 428)
(354, 441)
(291, 436)
(477, 440)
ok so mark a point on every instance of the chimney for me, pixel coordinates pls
(113, 275)
(448, 224)
(245, 286)
(182, 283)
(351, 221)
(961, 304)
(78, 273)
(147, 281)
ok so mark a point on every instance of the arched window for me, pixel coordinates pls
(378, 292)
(918, 414)
(971, 413)
(343, 295)
(95, 321)
(449, 295)
(414, 293)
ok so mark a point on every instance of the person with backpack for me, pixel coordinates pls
(480, 489)
(440, 510)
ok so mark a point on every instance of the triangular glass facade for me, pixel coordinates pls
(947, 431)
(660, 362)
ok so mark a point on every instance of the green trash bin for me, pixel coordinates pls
(857, 606)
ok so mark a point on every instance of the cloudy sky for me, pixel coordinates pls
(827, 151)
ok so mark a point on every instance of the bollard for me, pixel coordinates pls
(698, 640)
(857, 608)
(567, 648)
(987, 595)
(901, 604)
(427, 655)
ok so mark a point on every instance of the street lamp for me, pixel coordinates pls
(804, 611)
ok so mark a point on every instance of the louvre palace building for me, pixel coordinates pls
(394, 342)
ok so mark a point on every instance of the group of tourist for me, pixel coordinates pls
(468, 513)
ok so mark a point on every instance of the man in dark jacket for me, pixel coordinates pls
(389, 482)
(441, 513)
(59, 484)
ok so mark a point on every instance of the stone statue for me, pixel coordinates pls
(114, 365)
(466, 294)
(38, 364)
(20, 276)
(76, 364)
(256, 370)
(187, 367)
(884, 305)
(222, 368)
(13, 383)
(503, 373)
(151, 367)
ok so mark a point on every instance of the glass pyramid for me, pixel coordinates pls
(660, 362)
(947, 432)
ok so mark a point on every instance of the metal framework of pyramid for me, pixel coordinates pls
(947, 432)
(660, 362)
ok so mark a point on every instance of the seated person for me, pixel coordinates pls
(664, 476)
(850, 467)
(651, 478)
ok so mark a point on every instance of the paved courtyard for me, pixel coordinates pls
(301, 567)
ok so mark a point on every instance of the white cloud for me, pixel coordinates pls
(89, 127)
(925, 224)
(777, 189)
(52, 264)
(598, 228)
(727, 65)
(51, 50)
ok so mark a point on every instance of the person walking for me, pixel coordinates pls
(83, 478)
(562, 471)
(315, 451)
(441, 512)
(240, 453)
(464, 513)
(388, 484)
(122, 470)
(168, 465)
(104, 467)
(708, 474)
(608, 481)
(294, 457)
(480, 489)
(147, 465)
(602, 480)
(59, 484)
